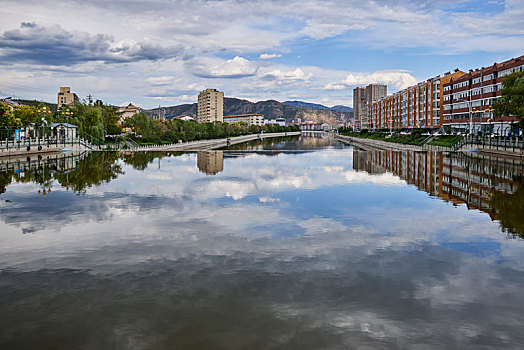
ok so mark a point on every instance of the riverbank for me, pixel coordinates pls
(34, 149)
(203, 145)
(200, 145)
(391, 146)
(378, 144)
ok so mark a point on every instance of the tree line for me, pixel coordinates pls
(100, 120)
(96, 119)
(148, 130)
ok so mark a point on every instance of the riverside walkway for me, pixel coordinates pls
(502, 147)
(203, 145)
(30, 147)
(377, 144)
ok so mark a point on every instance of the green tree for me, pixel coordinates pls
(512, 100)
(111, 119)
(27, 114)
(7, 117)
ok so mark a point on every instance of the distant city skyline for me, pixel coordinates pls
(163, 52)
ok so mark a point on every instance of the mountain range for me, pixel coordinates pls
(301, 104)
(271, 109)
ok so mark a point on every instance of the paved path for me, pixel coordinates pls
(203, 145)
(391, 146)
(384, 145)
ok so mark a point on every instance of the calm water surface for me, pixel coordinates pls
(289, 244)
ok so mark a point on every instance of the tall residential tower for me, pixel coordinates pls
(363, 97)
(210, 106)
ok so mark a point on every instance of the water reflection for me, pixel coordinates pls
(210, 162)
(74, 171)
(492, 185)
(306, 141)
(295, 251)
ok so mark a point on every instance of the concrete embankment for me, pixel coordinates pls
(203, 145)
(15, 151)
(368, 144)
(377, 144)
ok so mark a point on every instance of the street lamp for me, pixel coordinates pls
(43, 113)
(67, 113)
(470, 116)
(489, 111)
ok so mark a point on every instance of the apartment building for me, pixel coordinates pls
(418, 106)
(468, 99)
(363, 97)
(360, 110)
(66, 97)
(210, 106)
(249, 119)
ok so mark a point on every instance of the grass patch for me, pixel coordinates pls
(411, 139)
(445, 141)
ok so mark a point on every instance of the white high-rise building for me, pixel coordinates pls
(210, 106)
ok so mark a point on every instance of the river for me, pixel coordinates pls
(295, 243)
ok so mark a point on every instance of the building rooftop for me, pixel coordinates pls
(243, 115)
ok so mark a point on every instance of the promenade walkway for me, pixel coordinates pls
(377, 144)
(203, 145)
(503, 147)
(29, 147)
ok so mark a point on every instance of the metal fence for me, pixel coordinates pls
(505, 143)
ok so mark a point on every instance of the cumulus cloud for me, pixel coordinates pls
(267, 56)
(160, 81)
(55, 45)
(140, 40)
(335, 86)
(297, 74)
(397, 78)
(238, 67)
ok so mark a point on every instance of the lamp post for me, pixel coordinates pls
(470, 116)
(489, 111)
(473, 111)
(67, 113)
(43, 114)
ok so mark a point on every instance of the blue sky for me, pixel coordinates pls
(163, 52)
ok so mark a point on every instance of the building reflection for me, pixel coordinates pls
(480, 182)
(210, 162)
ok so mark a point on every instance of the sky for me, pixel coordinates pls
(163, 52)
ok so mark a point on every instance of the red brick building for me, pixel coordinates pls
(468, 99)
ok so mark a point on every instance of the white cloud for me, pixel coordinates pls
(396, 78)
(267, 56)
(335, 86)
(297, 74)
(160, 81)
(238, 67)
(139, 44)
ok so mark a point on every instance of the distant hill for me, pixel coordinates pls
(270, 109)
(52, 106)
(302, 104)
(343, 109)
